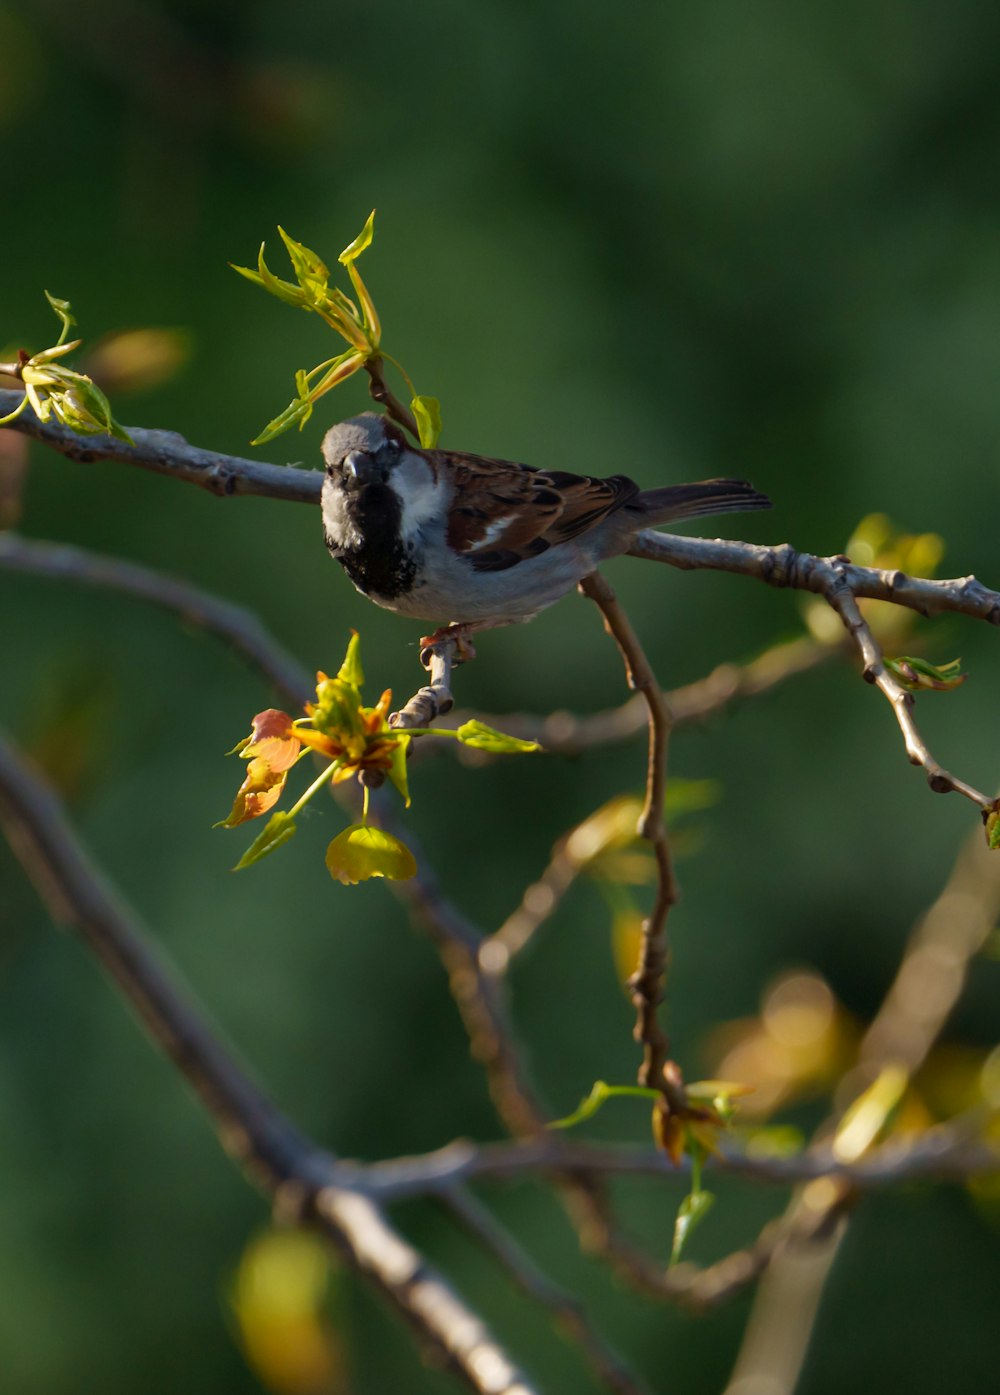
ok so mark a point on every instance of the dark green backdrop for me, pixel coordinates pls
(671, 240)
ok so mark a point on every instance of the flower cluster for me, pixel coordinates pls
(357, 323)
(353, 741)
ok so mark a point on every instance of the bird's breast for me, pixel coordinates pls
(363, 531)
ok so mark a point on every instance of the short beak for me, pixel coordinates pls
(360, 469)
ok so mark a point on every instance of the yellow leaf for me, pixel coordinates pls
(427, 411)
(361, 852)
(865, 1119)
(363, 240)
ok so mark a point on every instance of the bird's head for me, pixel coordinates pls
(362, 451)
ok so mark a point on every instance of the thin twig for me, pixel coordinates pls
(784, 566)
(238, 627)
(385, 397)
(539, 902)
(280, 1160)
(167, 453)
(569, 734)
(435, 699)
(566, 1311)
(941, 781)
(955, 1151)
(647, 982)
(479, 996)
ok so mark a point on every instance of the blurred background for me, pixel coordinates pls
(672, 241)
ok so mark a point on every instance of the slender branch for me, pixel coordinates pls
(167, 453)
(567, 1312)
(238, 627)
(941, 781)
(777, 1336)
(953, 1151)
(479, 996)
(784, 566)
(385, 397)
(565, 733)
(297, 1174)
(435, 699)
(539, 902)
(647, 982)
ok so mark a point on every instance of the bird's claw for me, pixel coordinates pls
(465, 650)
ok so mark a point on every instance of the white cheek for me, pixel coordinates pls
(421, 497)
(335, 520)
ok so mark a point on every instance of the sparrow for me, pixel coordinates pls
(451, 537)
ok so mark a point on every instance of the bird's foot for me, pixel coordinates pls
(457, 634)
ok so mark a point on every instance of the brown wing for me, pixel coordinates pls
(503, 512)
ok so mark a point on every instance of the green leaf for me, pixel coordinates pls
(80, 404)
(311, 271)
(351, 670)
(361, 852)
(427, 411)
(360, 243)
(265, 278)
(599, 1095)
(693, 1210)
(916, 674)
(397, 770)
(297, 411)
(993, 831)
(484, 738)
(61, 308)
(278, 829)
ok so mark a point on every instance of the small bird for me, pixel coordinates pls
(446, 536)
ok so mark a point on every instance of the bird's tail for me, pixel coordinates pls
(676, 501)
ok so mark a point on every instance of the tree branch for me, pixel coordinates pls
(238, 627)
(941, 781)
(167, 453)
(783, 566)
(647, 982)
(567, 1313)
(298, 1176)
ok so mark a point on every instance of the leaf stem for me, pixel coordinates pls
(323, 778)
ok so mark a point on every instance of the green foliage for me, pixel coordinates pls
(695, 1206)
(278, 829)
(917, 674)
(484, 738)
(356, 321)
(53, 390)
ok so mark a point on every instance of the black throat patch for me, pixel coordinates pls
(382, 565)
